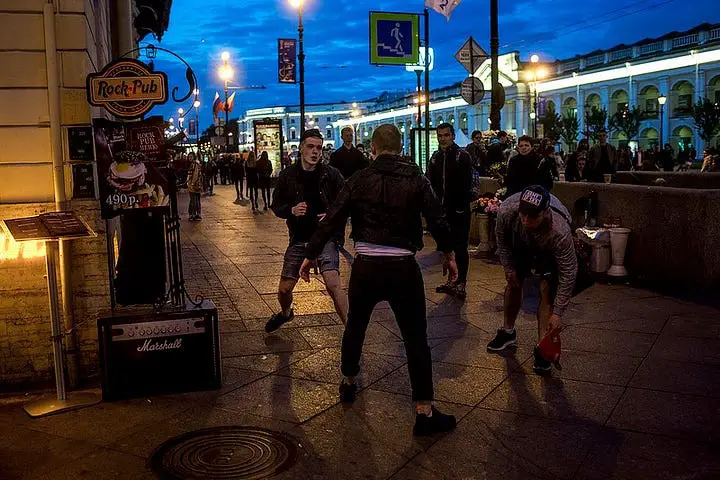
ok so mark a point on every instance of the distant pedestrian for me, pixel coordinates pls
(576, 170)
(238, 174)
(497, 148)
(251, 174)
(450, 174)
(534, 234)
(348, 159)
(667, 159)
(388, 201)
(303, 196)
(526, 168)
(479, 155)
(602, 159)
(264, 172)
(195, 187)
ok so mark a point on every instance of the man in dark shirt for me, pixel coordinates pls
(526, 168)
(478, 154)
(496, 150)
(347, 158)
(450, 174)
(602, 159)
(386, 203)
(303, 196)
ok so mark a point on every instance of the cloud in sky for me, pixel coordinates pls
(336, 41)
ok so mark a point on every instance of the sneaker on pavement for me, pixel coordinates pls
(348, 392)
(448, 288)
(541, 365)
(460, 291)
(502, 340)
(436, 423)
(278, 320)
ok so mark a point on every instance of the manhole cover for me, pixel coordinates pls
(225, 452)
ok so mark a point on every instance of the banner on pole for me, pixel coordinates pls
(443, 7)
(287, 60)
(394, 38)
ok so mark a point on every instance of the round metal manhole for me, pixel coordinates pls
(225, 452)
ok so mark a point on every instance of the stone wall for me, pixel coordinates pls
(83, 37)
(671, 179)
(675, 239)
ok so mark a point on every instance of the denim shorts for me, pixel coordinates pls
(329, 259)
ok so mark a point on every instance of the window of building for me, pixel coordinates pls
(292, 134)
(292, 121)
(328, 133)
(328, 119)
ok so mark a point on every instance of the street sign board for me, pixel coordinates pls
(420, 66)
(472, 90)
(471, 56)
(394, 38)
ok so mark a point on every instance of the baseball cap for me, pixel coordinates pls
(534, 200)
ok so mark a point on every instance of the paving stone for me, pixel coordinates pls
(269, 285)
(705, 351)
(331, 336)
(103, 464)
(269, 362)
(670, 414)
(253, 343)
(554, 398)
(472, 351)
(299, 321)
(453, 383)
(607, 341)
(282, 398)
(304, 303)
(592, 367)
(680, 377)
(697, 326)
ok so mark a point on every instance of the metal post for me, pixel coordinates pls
(197, 130)
(301, 58)
(662, 121)
(227, 130)
(472, 74)
(52, 255)
(494, 77)
(535, 110)
(419, 104)
(427, 88)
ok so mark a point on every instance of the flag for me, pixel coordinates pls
(217, 105)
(230, 102)
(443, 7)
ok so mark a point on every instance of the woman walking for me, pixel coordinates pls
(238, 174)
(195, 187)
(264, 170)
(251, 173)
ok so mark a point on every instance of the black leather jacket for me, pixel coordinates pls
(289, 192)
(386, 202)
(450, 174)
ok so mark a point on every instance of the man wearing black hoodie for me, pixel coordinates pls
(386, 203)
(450, 174)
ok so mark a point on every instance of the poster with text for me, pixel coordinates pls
(268, 138)
(132, 165)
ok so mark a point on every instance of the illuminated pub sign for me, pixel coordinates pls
(127, 88)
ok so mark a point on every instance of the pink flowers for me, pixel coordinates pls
(488, 206)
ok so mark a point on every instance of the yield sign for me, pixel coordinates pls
(471, 56)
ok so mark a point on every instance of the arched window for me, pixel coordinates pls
(619, 101)
(648, 138)
(681, 99)
(464, 123)
(648, 101)
(569, 106)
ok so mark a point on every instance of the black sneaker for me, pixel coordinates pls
(278, 320)
(460, 292)
(347, 392)
(448, 288)
(541, 366)
(437, 423)
(502, 340)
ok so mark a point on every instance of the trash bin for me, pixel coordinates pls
(618, 239)
(599, 240)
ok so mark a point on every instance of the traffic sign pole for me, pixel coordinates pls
(472, 74)
(427, 86)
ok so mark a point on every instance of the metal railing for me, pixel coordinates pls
(685, 40)
(621, 54)
(650, 48)
(595, 59)
(714, 34)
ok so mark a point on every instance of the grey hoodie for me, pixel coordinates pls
(557, 241)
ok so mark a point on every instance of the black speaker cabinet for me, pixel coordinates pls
(146, 353)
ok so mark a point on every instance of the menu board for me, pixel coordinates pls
(268, 138)
(80, 144)
(47, 226)
(83, 181)
(132, 165)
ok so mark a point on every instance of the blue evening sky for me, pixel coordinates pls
(336, 41)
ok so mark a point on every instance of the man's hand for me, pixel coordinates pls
(300, 209)
(305, 269)
(554, 322)
(512, 279)
(450, 267)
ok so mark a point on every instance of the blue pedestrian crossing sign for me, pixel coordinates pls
(394, 38)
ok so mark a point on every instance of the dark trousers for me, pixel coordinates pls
(239, 186)
(265, 192)
(460, 234)
(399, 282)
(194, 209)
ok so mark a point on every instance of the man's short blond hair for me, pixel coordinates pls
(387, 138)
(347, 129)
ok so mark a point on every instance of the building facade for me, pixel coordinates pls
(684, 67)
(47, 48)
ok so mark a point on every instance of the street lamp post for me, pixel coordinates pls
(661, 100)
(226, 73)
(196, 104)
(301, 60)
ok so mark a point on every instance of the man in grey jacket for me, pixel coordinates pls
(533, 233)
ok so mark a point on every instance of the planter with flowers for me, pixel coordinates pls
(482, 223)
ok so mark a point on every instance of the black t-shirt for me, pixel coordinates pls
(307, 224)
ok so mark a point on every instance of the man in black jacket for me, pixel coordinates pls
(303, 196)
(347, 158)
(386, 203)
(527, 168)
(450, 174)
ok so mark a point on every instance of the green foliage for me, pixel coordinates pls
(552, 124)
(570, 128)
(627, 121)
(595, 120)
(707, 118)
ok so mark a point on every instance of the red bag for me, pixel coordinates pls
(550, 347)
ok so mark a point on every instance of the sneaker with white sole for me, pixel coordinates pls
(502, 340)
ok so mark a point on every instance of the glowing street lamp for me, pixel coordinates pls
(298, 4)
(662, 99)
(225, 72)
(538, 72)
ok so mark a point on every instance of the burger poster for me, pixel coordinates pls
(131, 161)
